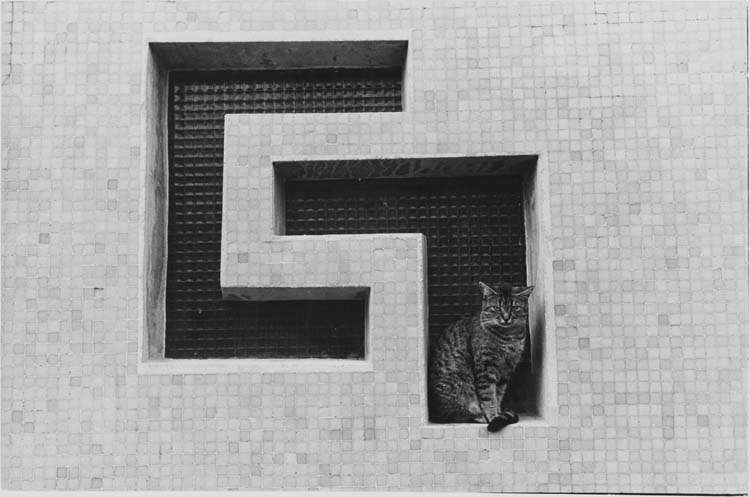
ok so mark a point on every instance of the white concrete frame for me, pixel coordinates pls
(237, 282)
(165, 52)
(250, 179)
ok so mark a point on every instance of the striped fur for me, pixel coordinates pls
(473, 360)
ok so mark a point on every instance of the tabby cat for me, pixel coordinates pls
(474, 359)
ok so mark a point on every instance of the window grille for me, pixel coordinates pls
(199, 323)
(474, 228)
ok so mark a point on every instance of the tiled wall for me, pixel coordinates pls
(640, 112)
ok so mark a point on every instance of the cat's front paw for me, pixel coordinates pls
(505, 418)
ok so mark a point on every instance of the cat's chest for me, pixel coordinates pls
(492, 352)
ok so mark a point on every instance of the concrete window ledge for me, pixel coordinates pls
(209, 366)
(166, 52)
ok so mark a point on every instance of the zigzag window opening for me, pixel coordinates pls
(474, 228)
(199, 323)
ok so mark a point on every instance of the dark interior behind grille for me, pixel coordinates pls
(199, 324)
(474, 228)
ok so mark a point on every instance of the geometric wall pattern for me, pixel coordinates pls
(638, 110)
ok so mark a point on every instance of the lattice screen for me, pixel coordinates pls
(199, 323)
(474, 228)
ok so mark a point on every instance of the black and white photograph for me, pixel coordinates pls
(435, 246)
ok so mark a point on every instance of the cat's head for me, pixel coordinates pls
(504, 307)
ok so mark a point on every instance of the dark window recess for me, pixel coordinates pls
(474, 228)
(199, 323)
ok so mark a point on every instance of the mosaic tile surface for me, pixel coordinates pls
(640, 110)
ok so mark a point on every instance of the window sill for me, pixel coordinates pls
(468, 430)
(212, 366)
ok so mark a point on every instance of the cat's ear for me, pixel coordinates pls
(522, 291)
(486, 290)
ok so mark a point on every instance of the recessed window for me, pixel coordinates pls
(474, 228)
(199, 322)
